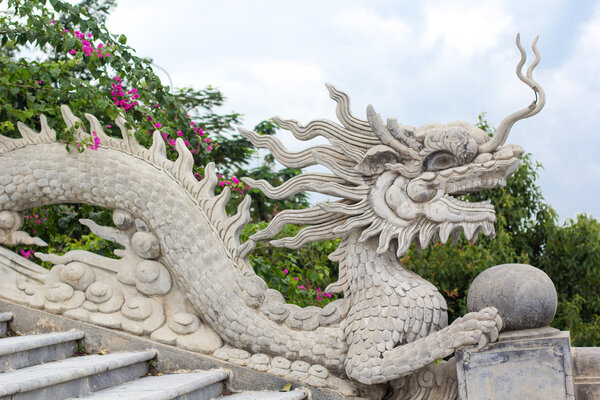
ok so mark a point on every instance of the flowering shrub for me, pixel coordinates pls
(300, 275)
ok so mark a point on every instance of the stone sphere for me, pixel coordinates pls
(524, 295)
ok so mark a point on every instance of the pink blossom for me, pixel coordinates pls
(296, 278)
(285, 271)
(89, 35)
(40, 82)
(109, 126)
(27, 253)
(72, 51)
(158, 125)
(96, 140)
(207, 140)
(301, 287)
(53, 21)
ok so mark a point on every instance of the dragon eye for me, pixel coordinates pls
(439, 160)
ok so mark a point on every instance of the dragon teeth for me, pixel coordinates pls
(445, 231)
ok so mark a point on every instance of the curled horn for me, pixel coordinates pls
(385, 136)
(534, 108)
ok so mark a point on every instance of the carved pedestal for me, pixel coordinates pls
(527, 364)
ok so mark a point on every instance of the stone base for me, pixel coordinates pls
(586, 371)
(527, 364)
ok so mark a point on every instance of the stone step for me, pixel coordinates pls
(293, 395)
(586, 372)
(203, 385)
(4, 318)
(73, 377)
(24, 351)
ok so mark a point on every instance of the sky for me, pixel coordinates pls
(418, 62)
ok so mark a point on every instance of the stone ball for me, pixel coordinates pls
(122, 219)
(524, 295)
(10, 220)
(145, 245)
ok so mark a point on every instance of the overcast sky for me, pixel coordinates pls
(419, 62)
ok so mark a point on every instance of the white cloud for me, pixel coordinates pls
(419, 62)
(465, 27)
(383, 30)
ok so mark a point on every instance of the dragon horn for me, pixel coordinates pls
(385, 136)
(534, 108)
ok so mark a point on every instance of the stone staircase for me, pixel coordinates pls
(45, 366)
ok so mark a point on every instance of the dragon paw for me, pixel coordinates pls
(476, 328)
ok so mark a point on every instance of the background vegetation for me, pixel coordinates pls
(76, 61)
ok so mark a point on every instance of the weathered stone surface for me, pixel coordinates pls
(23, 351)
(293, 395)
(524, 295)
(586, 372)
(170, 359)
(194, 385)
(4, 318)
(74, 376)
(531, 364)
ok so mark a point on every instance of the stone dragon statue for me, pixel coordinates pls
(396, 185)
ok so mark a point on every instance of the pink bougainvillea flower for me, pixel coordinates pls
(96, 141)
(301, 287)
(296, 278)
(158, 125)
(285, 271)
(72, 51)
(27, 253)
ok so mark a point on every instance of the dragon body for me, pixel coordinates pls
(395, 182)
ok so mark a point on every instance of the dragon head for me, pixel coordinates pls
(396, 182)
(421, 170)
